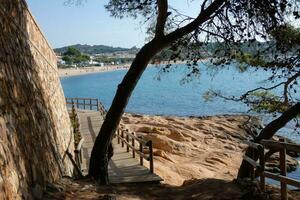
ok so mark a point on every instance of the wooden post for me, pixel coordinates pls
(83, 103)
(133, 144)
(77, 159)
(118, 135)
(73, 107)
(261, 152)
(150, 156)
(73, 116)
(141, 150)
(77, 103)
(282, 156)
(97, 104)
(91, 108)
(80, 156)
(122, 136)
(127, 140)
(252, 172)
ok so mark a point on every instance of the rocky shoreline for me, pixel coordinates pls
(187, 148)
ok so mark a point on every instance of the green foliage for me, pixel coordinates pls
(95, 49)
(280, 56)
(131, 8)
(71, 51)
(265, 101)
(248, 59)
(67, 59)
(287, 37)
(209, 96)
(74, 56)
(75, 126)
(230, 36)
(108, 60)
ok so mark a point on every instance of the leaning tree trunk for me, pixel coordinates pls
(99, 156)
(267, 133)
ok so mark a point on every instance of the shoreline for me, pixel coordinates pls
(68, 72)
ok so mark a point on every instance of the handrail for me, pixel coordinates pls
(124, 137)
(135, 150)
(280, 178)
(79, 146)
(259, 167)
(139, 139)
(80, 98)
(84, 103)
(282, 146)
(87, 103)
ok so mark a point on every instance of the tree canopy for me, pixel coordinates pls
(280, 55)
(231, 25)
(95, 49)
(74, 56)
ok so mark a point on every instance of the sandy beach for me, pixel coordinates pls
(65, 72)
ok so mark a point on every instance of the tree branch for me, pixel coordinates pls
(202, 17)
(260, 88)
(161, 18)
(286, 85)
(214, 34)
(278, 123)
(203, 5)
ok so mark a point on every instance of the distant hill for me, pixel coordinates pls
(96, 49)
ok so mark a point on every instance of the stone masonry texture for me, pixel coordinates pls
(35, 129)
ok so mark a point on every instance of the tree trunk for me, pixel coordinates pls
(267, 133)
(99, 156)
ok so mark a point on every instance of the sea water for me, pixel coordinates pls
(165, 93)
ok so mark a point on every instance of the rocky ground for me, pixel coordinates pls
(204, 189)
(198, 158)
(187, 148)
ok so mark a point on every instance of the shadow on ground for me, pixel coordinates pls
(204, 189)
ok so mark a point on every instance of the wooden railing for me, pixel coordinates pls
(86, 103)
(282, 147)
(81, 103)
(138, 145)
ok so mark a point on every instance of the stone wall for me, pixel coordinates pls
(35, 130)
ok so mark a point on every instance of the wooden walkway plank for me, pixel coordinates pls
(122, 167)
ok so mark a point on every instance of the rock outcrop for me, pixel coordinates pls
(35, 130)
(189, 148)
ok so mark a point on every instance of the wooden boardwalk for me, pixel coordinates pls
(122, 167)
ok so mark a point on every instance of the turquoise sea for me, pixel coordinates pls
(168, 96)
(165, 94)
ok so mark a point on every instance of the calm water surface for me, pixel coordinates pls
(169, 97)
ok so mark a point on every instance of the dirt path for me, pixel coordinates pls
(205, 189)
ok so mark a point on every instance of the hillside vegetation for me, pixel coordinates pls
(94, 49)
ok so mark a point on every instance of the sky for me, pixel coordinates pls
(90, 23)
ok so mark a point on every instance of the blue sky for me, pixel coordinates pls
(90, 23)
